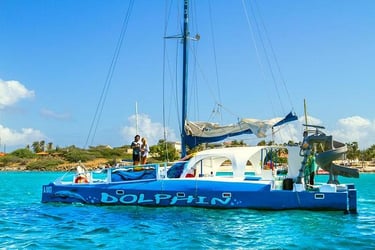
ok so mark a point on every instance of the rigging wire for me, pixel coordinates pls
(276, 63)
(193, 48)
(256, 32)
(218, 104)
(193, 52)
(264, 37)
(103, 95)
(273, 54)
(194, 76)
(270, 52)
(215, 55)
(167, 15)
(267, 57)
(197, 69)
(254, 42)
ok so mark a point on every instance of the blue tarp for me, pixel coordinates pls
(130, 175)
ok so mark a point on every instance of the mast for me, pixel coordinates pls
(136, 118)
(305, 111)
(184, 77)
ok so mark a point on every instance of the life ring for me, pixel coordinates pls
(81, 179)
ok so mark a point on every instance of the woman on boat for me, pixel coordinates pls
(144, 151)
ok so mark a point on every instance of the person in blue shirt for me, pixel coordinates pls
(136, 146)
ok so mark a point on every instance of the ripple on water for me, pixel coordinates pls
(26, 223)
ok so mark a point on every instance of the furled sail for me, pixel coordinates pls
(205, 132)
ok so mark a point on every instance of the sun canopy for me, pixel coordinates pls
(205, 132)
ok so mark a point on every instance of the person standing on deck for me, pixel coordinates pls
(310, 169)
(144, 151)
(304, 152)
(136, 146)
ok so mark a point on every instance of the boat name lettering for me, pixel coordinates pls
(159, 198)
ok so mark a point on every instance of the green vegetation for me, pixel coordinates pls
(38, 158)
(164, 151)
(47, 164)
(23, 153)
(43, 157)
(363, 155)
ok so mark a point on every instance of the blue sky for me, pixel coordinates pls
(55, 57)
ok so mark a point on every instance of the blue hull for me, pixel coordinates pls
(199, 193)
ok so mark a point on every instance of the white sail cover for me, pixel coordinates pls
(208, 129)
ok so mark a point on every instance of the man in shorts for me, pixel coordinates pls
(136, 146)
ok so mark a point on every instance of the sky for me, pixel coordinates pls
(254, 59)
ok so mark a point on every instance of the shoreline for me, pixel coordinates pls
(365, 167)
(362, 170)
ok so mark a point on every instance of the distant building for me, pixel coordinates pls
(176, 145)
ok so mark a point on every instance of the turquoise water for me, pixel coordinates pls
(25, 223)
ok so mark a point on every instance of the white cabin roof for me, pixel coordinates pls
(238, 156)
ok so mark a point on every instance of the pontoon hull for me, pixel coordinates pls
(200, 193)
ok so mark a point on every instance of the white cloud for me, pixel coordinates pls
(153, 131)
(310, 121)
(13, 91)
(293, 130)
(52, 114)
(287, 132)
(356, 129)
(25, 136)
(349, 129)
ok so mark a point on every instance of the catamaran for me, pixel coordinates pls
(253, 177)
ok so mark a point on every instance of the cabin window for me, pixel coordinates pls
(224, 168)
(176, 170)
(276, 159)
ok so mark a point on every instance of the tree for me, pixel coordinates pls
(238, 143)
(369, 154)
(164, 151)
(262, 143)
(42, 144)
(198, 148)
(23, 153)
(353, 152)
(49, 146)
(291, 142)
(36, 147)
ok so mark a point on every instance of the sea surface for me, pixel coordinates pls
(26, 223)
